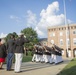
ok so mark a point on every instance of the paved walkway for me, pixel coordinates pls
(32, 68)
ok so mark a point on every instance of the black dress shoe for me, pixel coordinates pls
(10, 70)
(1, 68)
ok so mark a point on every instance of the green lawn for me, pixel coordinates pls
(27, 58)
(70, 69)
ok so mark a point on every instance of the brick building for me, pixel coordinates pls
(43, 41)
(57, 34)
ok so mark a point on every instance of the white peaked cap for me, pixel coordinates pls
(52, 42)
(24, 36)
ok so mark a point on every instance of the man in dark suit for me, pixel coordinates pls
(10, 51)
(19, 52)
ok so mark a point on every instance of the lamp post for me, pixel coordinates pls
(66, 25)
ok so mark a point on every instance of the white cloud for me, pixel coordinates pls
(31, 18)
(51, 10)
(49, 17)
(69, 21)
(38, 31)
(17, 19)
(2, 35)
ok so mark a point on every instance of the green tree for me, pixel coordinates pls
(31, 35)
(15, 34)
(8, 36)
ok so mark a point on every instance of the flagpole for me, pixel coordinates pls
(66, 26)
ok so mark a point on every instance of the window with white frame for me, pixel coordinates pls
(62, 52)
(68, 41)
(74, 32)
(61, 33)
(61, 41)
(74, 41)
(52, 34)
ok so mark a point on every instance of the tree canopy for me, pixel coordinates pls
(8, 36)
(31, 35)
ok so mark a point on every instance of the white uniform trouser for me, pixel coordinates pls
(60, 59)
(52, 59)
(34, 57)
(18, 61)
(37, 57)
(41, 58)
(46, 58)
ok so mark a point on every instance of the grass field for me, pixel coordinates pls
(27, 58)
(70, 69)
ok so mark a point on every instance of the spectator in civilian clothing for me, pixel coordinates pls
(19, 52)
(10, 51)
(3, 52)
